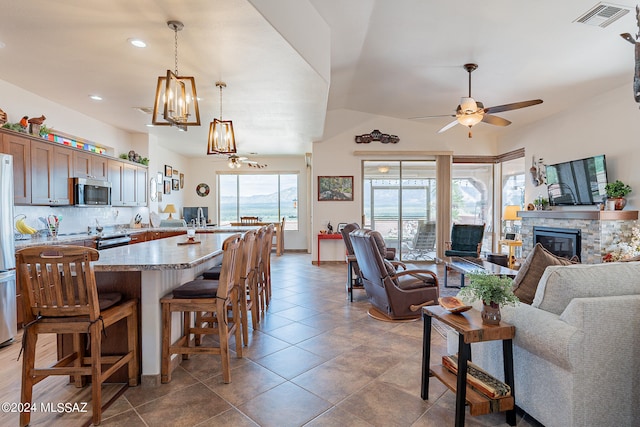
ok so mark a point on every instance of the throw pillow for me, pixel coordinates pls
(526, 281)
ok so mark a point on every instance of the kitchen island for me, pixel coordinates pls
(148, 271)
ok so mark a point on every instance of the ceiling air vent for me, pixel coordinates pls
(144, 110)
(603, 14)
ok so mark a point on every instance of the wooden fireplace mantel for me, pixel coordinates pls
(595, 215)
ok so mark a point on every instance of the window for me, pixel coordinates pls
(267, 196)
(399, 201)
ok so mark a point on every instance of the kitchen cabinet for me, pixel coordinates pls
(51, 168)
(155, 235)
(141, 186)
(114, 175)
(138, 237)
(128, 184)
(20, 148)
(88, 165)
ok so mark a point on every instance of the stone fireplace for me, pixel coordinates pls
(597, 229)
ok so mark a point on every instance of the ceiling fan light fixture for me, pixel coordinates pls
(470, 119)
(176, 102)
(234, 163)
(468, 105)
(221, 139)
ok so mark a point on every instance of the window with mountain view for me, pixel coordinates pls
(267, 196)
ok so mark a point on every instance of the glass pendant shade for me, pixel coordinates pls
(470, 119)
(221, 137)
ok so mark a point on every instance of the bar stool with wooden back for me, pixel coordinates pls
(264, 271)
(216, 297)
(61, 297)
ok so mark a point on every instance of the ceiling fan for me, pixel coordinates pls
(235, 161)
(470, 112)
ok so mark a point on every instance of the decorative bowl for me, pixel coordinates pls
(453, 304)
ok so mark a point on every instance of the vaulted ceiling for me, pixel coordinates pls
(400, 58)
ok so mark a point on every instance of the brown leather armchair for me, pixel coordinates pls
(395, 295)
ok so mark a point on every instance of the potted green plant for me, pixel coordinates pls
(493, 291)
(616, 192)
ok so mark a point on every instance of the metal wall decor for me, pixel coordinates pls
(636, 42)
(376, 135)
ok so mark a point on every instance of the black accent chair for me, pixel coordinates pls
(395, 295)
(466, 241)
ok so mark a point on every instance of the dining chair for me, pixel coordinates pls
(61, 297)
(215, 297)
(249, 220)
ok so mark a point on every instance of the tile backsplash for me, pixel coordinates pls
(76, 219)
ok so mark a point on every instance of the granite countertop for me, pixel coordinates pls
(74, 237)
(162, 254)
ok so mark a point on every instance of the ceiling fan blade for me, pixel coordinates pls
(449, 126)
(495, 120)
(431, 117)
(513, 106)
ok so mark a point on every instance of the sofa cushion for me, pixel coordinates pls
(561, 284)
(526, 281)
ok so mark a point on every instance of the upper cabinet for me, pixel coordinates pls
(128, 184)
(20, 148)
(51, 168)
(87, 165)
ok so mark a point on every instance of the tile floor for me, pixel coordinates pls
(315, 360)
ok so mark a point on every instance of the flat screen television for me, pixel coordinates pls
(578, 182)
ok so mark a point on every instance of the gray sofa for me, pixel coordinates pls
(577, 347)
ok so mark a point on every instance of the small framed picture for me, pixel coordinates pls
(181, 180)
(168, 171)
(175, 184)
(159, 177)
(167, 186)
(341, 225)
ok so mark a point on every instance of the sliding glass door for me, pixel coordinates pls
(399, 202)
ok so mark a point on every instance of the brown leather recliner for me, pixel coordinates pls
(397, 295)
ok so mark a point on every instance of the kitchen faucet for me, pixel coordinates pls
(201, 222)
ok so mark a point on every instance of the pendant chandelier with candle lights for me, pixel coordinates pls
(176, 102)
(221, 137)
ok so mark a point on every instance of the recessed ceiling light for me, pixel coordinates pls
(137, 42)
(95, 97)
(149, 125)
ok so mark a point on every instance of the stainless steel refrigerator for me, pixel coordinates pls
(7, 253)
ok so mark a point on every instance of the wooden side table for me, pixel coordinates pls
(512, 244)
(470, 329)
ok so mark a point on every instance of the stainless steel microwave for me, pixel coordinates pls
(91, 192)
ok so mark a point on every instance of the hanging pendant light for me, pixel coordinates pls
(176, 102)
(221, 137)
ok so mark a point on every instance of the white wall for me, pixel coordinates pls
(17, 102)
(608, 124)
(334, 156)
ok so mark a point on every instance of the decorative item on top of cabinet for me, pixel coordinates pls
(3, 117)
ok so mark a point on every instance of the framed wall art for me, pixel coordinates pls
(175, 184)
(167, 186)
(168, 171)
(335, 188)
(181, 181)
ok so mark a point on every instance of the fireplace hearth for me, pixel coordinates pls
(564, 242)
